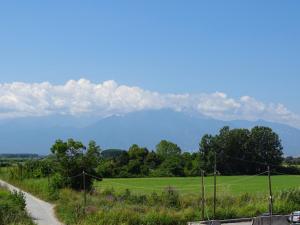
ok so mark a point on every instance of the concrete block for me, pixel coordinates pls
(275, 220)
(206, 222)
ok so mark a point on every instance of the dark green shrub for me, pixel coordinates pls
(56, 183)
(126, 195)
(170, 197)
(18, 199)
(12, 209)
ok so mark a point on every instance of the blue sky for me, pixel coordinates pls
(241, 48)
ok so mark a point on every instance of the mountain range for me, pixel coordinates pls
(145, 128)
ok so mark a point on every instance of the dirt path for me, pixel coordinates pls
(42, 212)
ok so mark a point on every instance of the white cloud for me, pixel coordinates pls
(84, 98)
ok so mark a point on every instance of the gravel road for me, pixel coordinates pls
(42, 212)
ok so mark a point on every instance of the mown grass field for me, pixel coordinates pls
(233, 185)
(148, 202)
(191, 185)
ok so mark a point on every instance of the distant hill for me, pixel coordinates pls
(147, 128)
(19, 156)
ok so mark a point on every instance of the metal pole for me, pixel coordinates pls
(215, 185)
(270, 195)
(48, 176)
(84, 189)
(21, 171)
(202, 192)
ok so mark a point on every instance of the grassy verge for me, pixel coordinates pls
(166, 208)
(12, 209)
(135, 203)
(37, 187)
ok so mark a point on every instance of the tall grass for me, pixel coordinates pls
(167, 208)
(38, 187)
(12, 209)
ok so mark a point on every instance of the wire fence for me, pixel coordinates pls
(222, 187)
(186, 187)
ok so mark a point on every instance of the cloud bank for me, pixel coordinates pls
(84, 98)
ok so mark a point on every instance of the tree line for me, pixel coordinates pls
(242, 151)
(234, 151)
(167, 160)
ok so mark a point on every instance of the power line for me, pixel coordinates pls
(78, 175)
(189, 187)
(279, 173)
(95, 177)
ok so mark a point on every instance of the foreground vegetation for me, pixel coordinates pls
(12, 209)
(165, 201)
(166, 208)
(140, 196)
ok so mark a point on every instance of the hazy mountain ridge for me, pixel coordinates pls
(145, 128)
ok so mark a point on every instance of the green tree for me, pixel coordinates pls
(136, 152)
(122, 159)
(107, 168)
(137, 158)
(266, 146)
(207, 149)
(197, 164)
(73, 158)
(172, 166)
(167, 149)
(241, 151)
(152, 160)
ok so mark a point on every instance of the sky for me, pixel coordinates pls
(224, 59)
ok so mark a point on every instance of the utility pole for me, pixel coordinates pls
(21, 167)
(202, 192)
(215, 185)
(84, 189)
(270, 196)
(48, 175)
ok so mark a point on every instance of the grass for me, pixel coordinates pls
(38, 187)
(12, 209)
(134, 201)
(166, 208)
(228, 185)
(146, 201)
(233, 185)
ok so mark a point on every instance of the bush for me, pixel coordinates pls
(170, 197)
(56, 183)
(12, 209)
(19, 199)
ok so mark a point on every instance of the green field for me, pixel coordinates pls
(233, 185)
(237, 197)
(191, 185)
